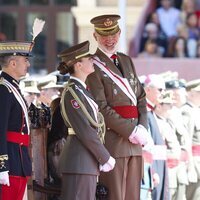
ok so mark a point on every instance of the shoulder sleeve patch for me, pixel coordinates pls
(75, 104)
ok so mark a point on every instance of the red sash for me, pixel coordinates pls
(19, 138)
(126, 111)
(196, 150)
(148, 157)
(172, 162)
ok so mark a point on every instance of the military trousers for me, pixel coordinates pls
(16, 189)
(78, 187)
(123, 182)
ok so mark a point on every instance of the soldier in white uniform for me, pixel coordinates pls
(191, 113)
(168, 133)
(179, 97)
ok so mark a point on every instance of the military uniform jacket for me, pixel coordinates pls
(192, 123)
(108, 94)
(84, 151)
(13, 157)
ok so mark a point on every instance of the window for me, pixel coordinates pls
(8, 26)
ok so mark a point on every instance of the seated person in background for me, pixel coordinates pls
(188, 6)
(151, 31)
(151, 50)
(177, 48)
(169, 17)
(191, 22)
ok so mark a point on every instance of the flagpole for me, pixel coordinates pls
(122, 23)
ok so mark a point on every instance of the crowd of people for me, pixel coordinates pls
(172, 31)
(138, 137)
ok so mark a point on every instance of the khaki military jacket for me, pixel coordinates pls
(83, 152)
(191, 118)
(108, 94)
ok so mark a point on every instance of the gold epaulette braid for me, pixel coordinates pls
(100, 124)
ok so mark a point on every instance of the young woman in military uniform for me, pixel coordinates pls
(83, 155)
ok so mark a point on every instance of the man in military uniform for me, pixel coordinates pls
(191, 113)
(154, 86)
(121, 99)
(177, 87)
(15, 164)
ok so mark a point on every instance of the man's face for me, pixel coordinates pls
(21, 65)
(108, 43)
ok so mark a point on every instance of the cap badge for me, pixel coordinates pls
(108, 22)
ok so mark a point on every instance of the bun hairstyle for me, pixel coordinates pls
(73, 55)
(63, 68)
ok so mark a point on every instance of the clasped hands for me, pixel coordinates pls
(139, 135)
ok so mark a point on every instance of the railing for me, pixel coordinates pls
(187, 69)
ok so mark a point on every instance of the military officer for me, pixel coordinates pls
(15, 164)
(191, 112)
(168, 133)
(121, 99)
(154, 86)
(83, 154)
(177, 87)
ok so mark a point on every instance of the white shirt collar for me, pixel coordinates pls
(80, 81)
(108, 54)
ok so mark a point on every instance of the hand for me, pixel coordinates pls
(156, 179)
(139, 135)
(109, 165)
(4, 178)
(192, 175)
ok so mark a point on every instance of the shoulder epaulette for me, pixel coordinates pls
(2, 82)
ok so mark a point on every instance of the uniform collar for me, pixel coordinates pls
(107, 54)
(77, 79)
(10, 79)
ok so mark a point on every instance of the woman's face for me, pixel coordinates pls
(87, 65)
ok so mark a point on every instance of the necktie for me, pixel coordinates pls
(116, 62)
(114, 58)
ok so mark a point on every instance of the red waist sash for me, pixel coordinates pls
(148, 157)
(17, 137)
(196, 150)
(127, 111)
(172, 162)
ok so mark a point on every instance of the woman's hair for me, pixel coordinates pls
(63, 68)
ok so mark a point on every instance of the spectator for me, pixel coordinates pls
(187, 7)
(177, 48)
(191, 22)
(151, 50)
(169, 18)
(151, 32)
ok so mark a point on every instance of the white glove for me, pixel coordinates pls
(139, 135)
(192, 175)
(109, 165)
(4, 178)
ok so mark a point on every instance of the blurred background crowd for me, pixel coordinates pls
(163, 29)
(172, 30)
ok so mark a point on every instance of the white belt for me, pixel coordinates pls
(71, 131)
